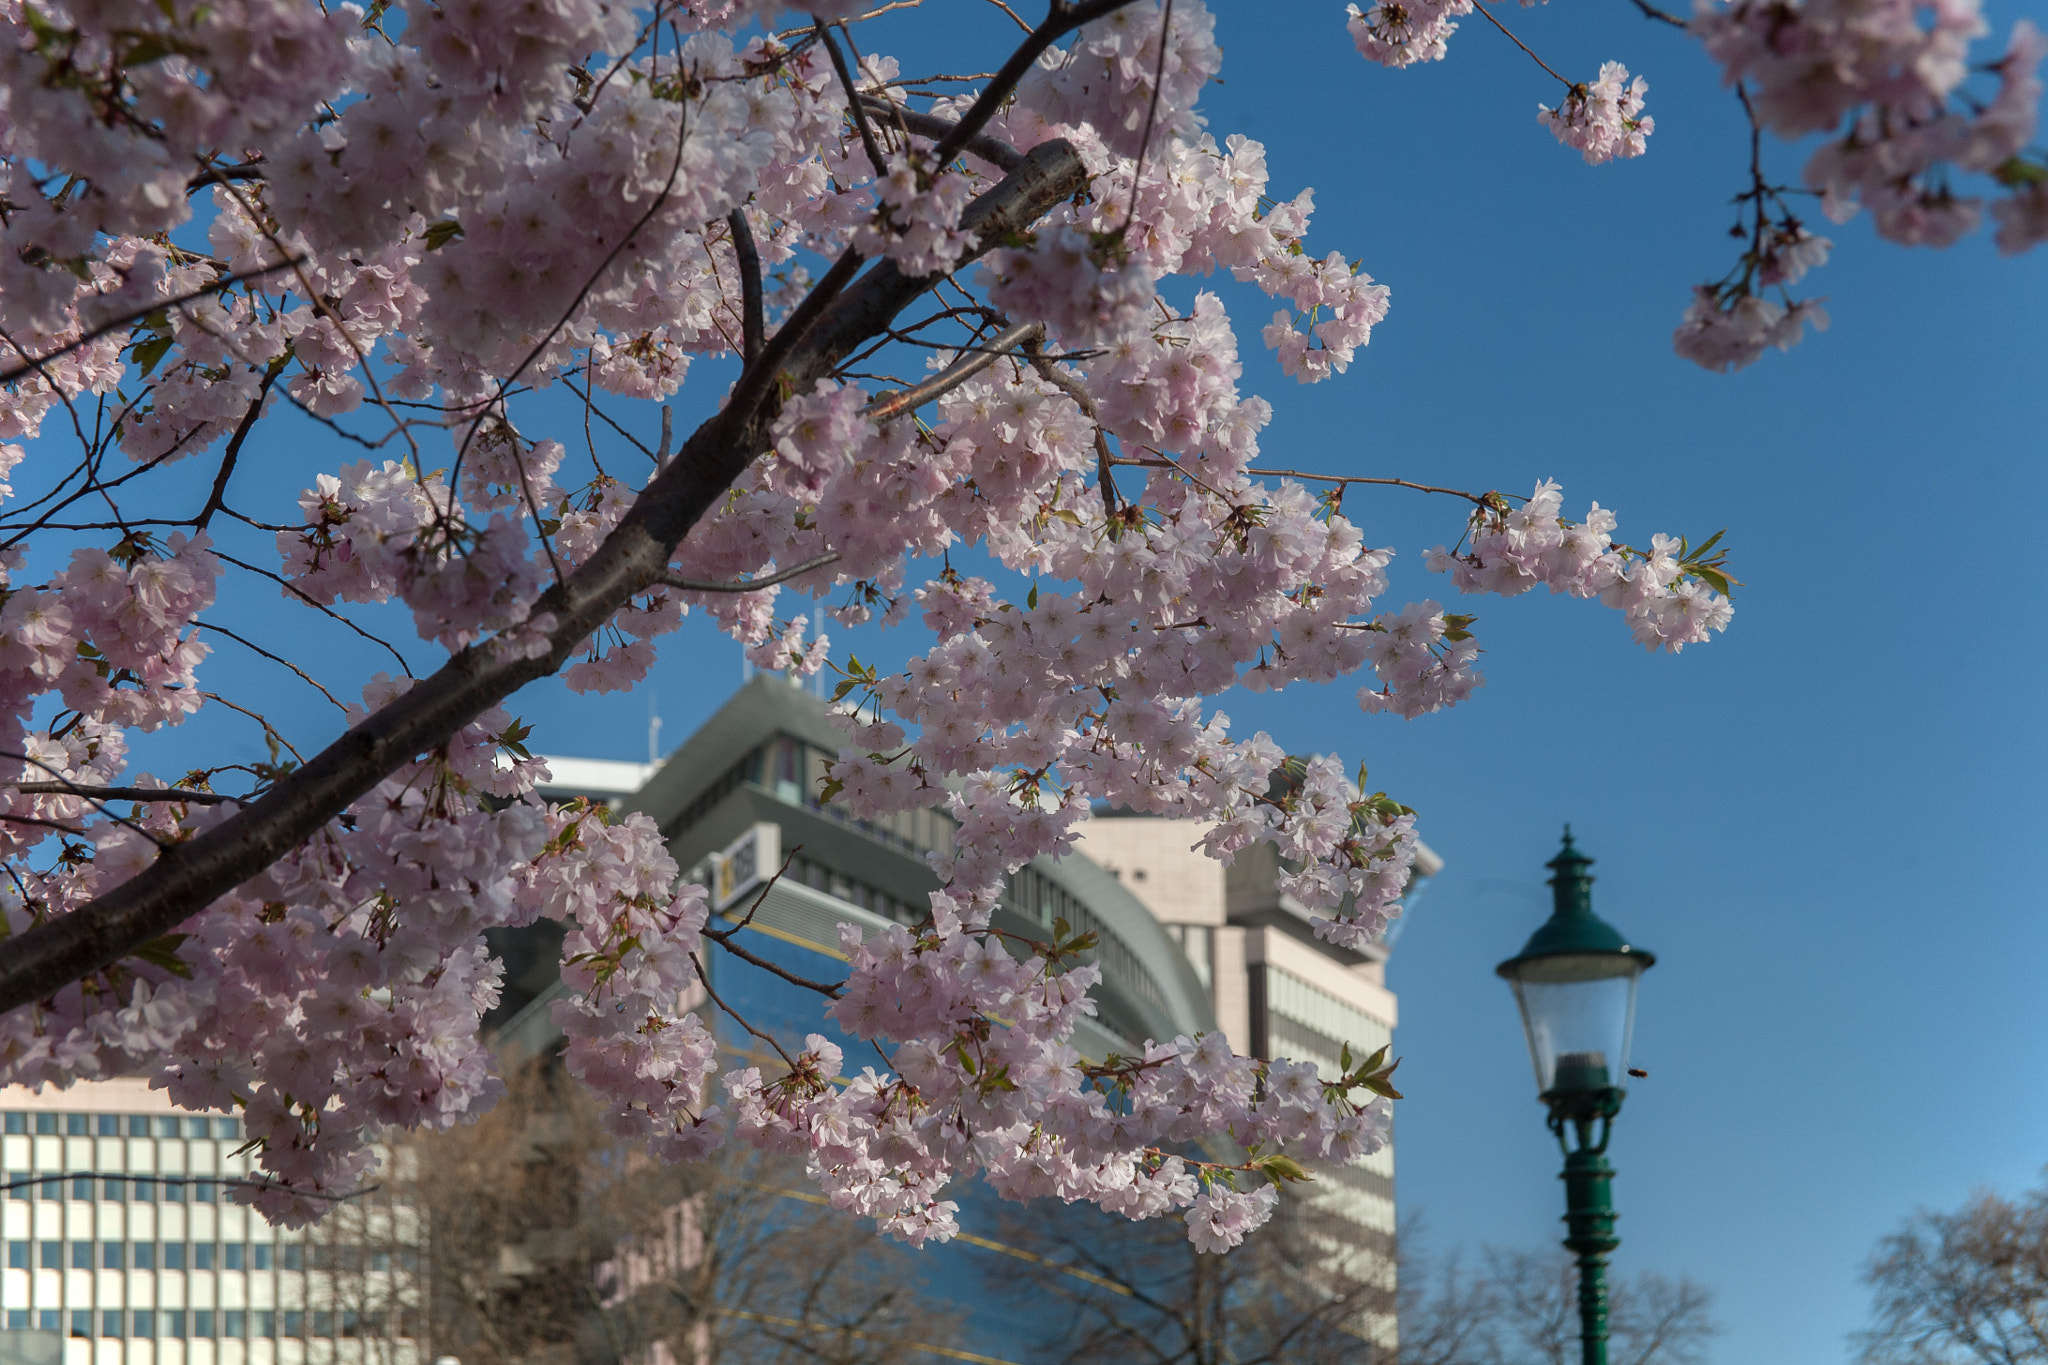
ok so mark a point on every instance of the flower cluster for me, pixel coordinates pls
(1671, 595)
(1604, 120)
(1886, 80)
(1401, 32)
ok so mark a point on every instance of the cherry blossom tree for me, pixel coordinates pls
(417, 223)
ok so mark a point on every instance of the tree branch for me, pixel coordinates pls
(192, 874)
(218, 496)
(751, 584)
(853, 105)
(994, 151)
(1066, 16)
(36, 363)
(753, 322)
(895, 402)
(122, 793)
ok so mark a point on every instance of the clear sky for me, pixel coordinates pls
(1828, 823)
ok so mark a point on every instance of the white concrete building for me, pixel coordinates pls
(123, 1242)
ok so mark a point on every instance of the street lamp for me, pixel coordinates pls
(1575, 983)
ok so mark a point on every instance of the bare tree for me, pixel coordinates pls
(1962, 1288)
(1521, 1308)
(1297, 1291)
(547, 1242)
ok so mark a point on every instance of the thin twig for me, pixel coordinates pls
(993, 150)
(751, 584)
(704, 979)
(234, 447)
(1152, 110)
(1481, 7)
(1650, 11)
(1072, 388)
(300, 593)
(252, 646)
(241, 1181)
(122, 793)
(1482, 499)
(86, 339)
(894, 403)
(853, 104)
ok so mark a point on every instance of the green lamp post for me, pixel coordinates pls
(1575, 983)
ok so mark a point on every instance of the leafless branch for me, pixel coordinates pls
(993, 150)
(8, 376)
(752, 584)
(854, 109)
(894, 403)
(123, 793)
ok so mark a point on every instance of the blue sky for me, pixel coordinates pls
(1826, 823)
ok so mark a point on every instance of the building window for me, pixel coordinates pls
(113, 1256)
(78, 1125)
(114, 1190)
(202, 1259)
(46, 1124)
(143, 1258)
(202, 1322)
(110, 1125)
(203, 1191)
(110, 1323)
(174, 1191)
(50, 1319)
(81, 1255)
(265, 1322)
(195, 1128)
(143, 1323)
(227, 1128)
(174, 1322)
(174, 1255)
(17, 1123)
(17, 1256)
(323, 1322)
(233, 1323)
(18, 1186)
(167, 1127)
(81, 1323)
(295, 1322)
(53, 1256)
(138, 1126)
(261, 1256)
(294, 1259)
(17, 1318)
(81, 1187)
(232, 1257)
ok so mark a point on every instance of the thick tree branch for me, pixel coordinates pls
(753, 321)
(191, 875)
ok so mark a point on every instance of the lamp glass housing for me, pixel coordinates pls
(1578, 1010)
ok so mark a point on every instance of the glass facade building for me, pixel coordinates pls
(123, 1242)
